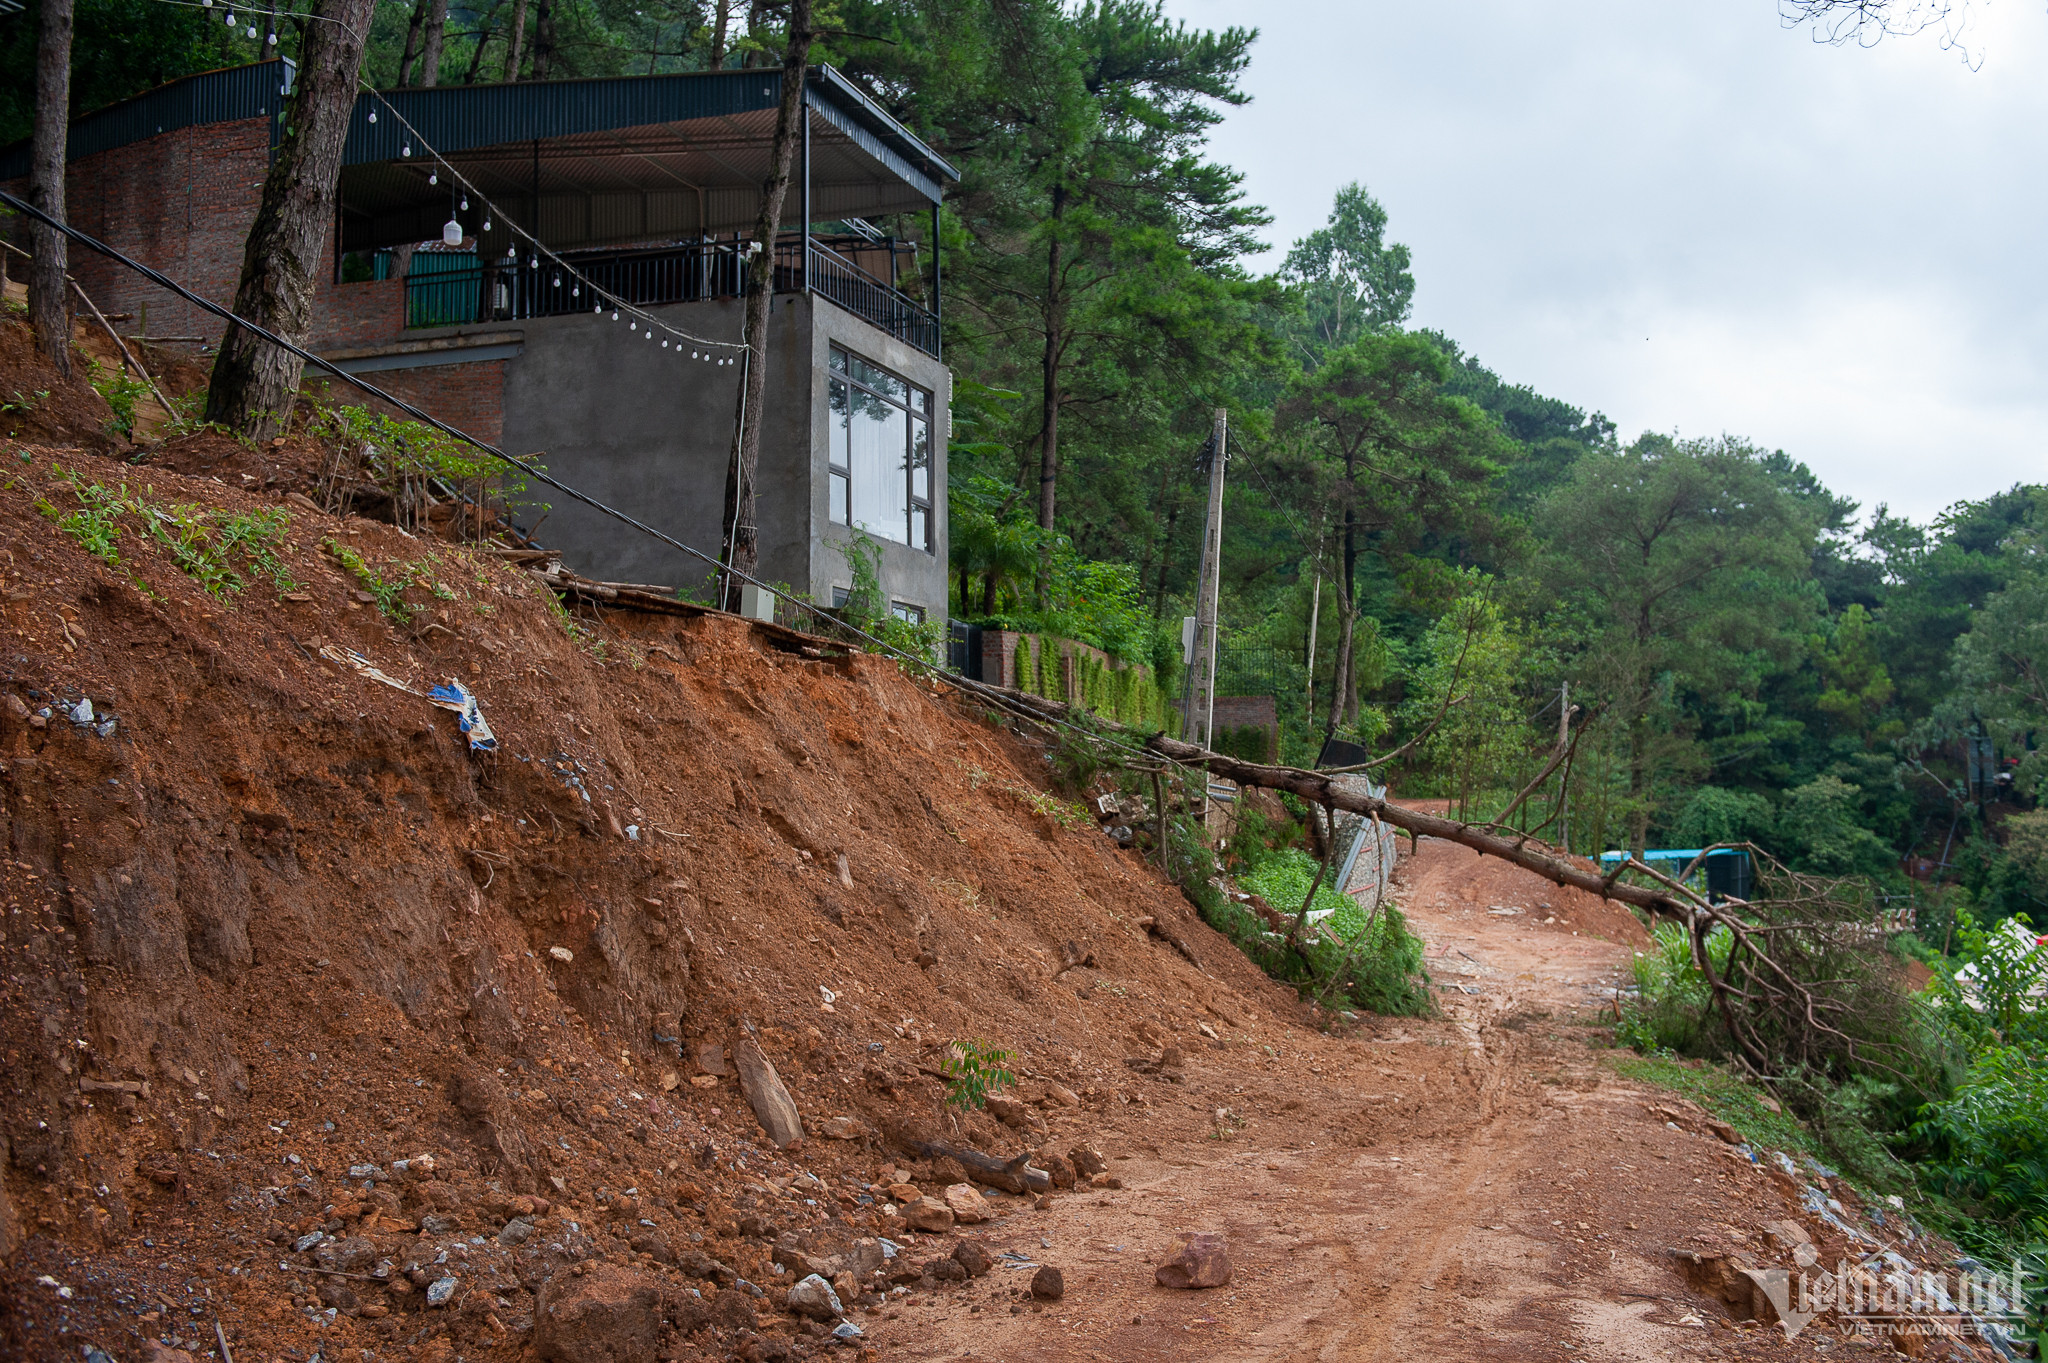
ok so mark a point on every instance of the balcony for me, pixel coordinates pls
(446, 289)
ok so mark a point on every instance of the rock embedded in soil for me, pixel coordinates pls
(814, 1299)
(1088, 1162)
(1200, 1259)
(608, 1315)
(771, 1102)
(969, 1207)
(972, 1257)
(928, 1214)
(1048, 1284)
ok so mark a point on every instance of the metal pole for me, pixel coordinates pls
(1315, 607)
(804, 109)
(1201, 712)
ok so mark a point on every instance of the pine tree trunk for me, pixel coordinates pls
(1049, 365)
(543, 38)
(517, 41)
(430, 43)
(719, 32)
(412, 42)
(742, 551)
(48, 313)
(255, 383)
(1346, 695)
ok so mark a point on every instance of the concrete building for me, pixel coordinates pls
(636, 189)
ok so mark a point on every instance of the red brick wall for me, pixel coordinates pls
(1237, 712)
(363, 314)
(182, 203)
(470, 397)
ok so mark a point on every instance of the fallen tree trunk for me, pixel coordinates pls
(1525, 852)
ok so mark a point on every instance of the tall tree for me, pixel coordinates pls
(1399, 457)
(254, 383)
(1672, 564)
(1353, 281)
(742, 549)
(48, 311)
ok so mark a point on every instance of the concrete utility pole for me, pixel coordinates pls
(1200, 716)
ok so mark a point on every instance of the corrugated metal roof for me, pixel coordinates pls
(227, 96)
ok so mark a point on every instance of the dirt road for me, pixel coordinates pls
(1478, 1186)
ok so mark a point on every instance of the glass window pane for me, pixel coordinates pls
(918, 398)
(837, 364)
(881, 380)
(921, 529)
(837, 443)
(920, 461)
(839, 508)
(878, 444)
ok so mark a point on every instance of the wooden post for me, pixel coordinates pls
(1199, 718)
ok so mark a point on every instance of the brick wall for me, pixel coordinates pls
(180, 203)
(470, 397)
(1242, 712)
(183, 203)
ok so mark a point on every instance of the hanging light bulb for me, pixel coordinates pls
(533, 262)
(451, 233)
(577, 292)
(693, 354)
(252, 30)
(615, 314)
(558, 281)
(598, 309)
(465, 198)
(487, 224)
(206, 4)
(664, 345)
(373, 119)
(272, 40)
(405, 149)
(632, 326)
(433, 177)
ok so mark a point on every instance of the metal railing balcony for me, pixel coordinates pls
(689, 273)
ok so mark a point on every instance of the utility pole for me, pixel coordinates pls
(1564, 729)
(1200, 716)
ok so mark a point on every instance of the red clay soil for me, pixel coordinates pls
(272, 933)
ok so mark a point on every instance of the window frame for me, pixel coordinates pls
(918, 416)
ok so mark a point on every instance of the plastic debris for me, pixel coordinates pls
(457, 697)
(356, 662)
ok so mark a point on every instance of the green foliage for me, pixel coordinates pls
(1672, 1009)
(1987, 1148)
(1375, 961)
(1717, 815)
(408, 461)
(974, 1072)
(1761, 1119)
(388, 592)
(214, 548)
(20, 405)
(120, 392)
(1820, 831)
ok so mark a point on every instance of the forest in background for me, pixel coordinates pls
(1738, 653)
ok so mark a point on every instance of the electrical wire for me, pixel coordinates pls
(540, 475)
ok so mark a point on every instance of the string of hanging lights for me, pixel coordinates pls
(704, 349)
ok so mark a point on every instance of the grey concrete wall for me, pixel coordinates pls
(909, 575)
(646, 430)
(627, 421)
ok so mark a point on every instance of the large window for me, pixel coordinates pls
(881, 452)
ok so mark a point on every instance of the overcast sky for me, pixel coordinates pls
(1692, 219)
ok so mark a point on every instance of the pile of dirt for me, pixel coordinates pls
(294, 980)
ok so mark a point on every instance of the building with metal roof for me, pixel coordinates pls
(474, 227)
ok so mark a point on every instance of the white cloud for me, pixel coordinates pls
(1834, 251)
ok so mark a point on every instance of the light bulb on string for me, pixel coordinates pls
(615, 314)
(272, 40)
(533, 262)
(252, 30)
(433, 177)
(405, 149)
(598, 309)
(451, 233)
(487, 224)
(558, 281)
(577, 292)
(465, 198)
(373, 119)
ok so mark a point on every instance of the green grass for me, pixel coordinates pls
(1734, 1100)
